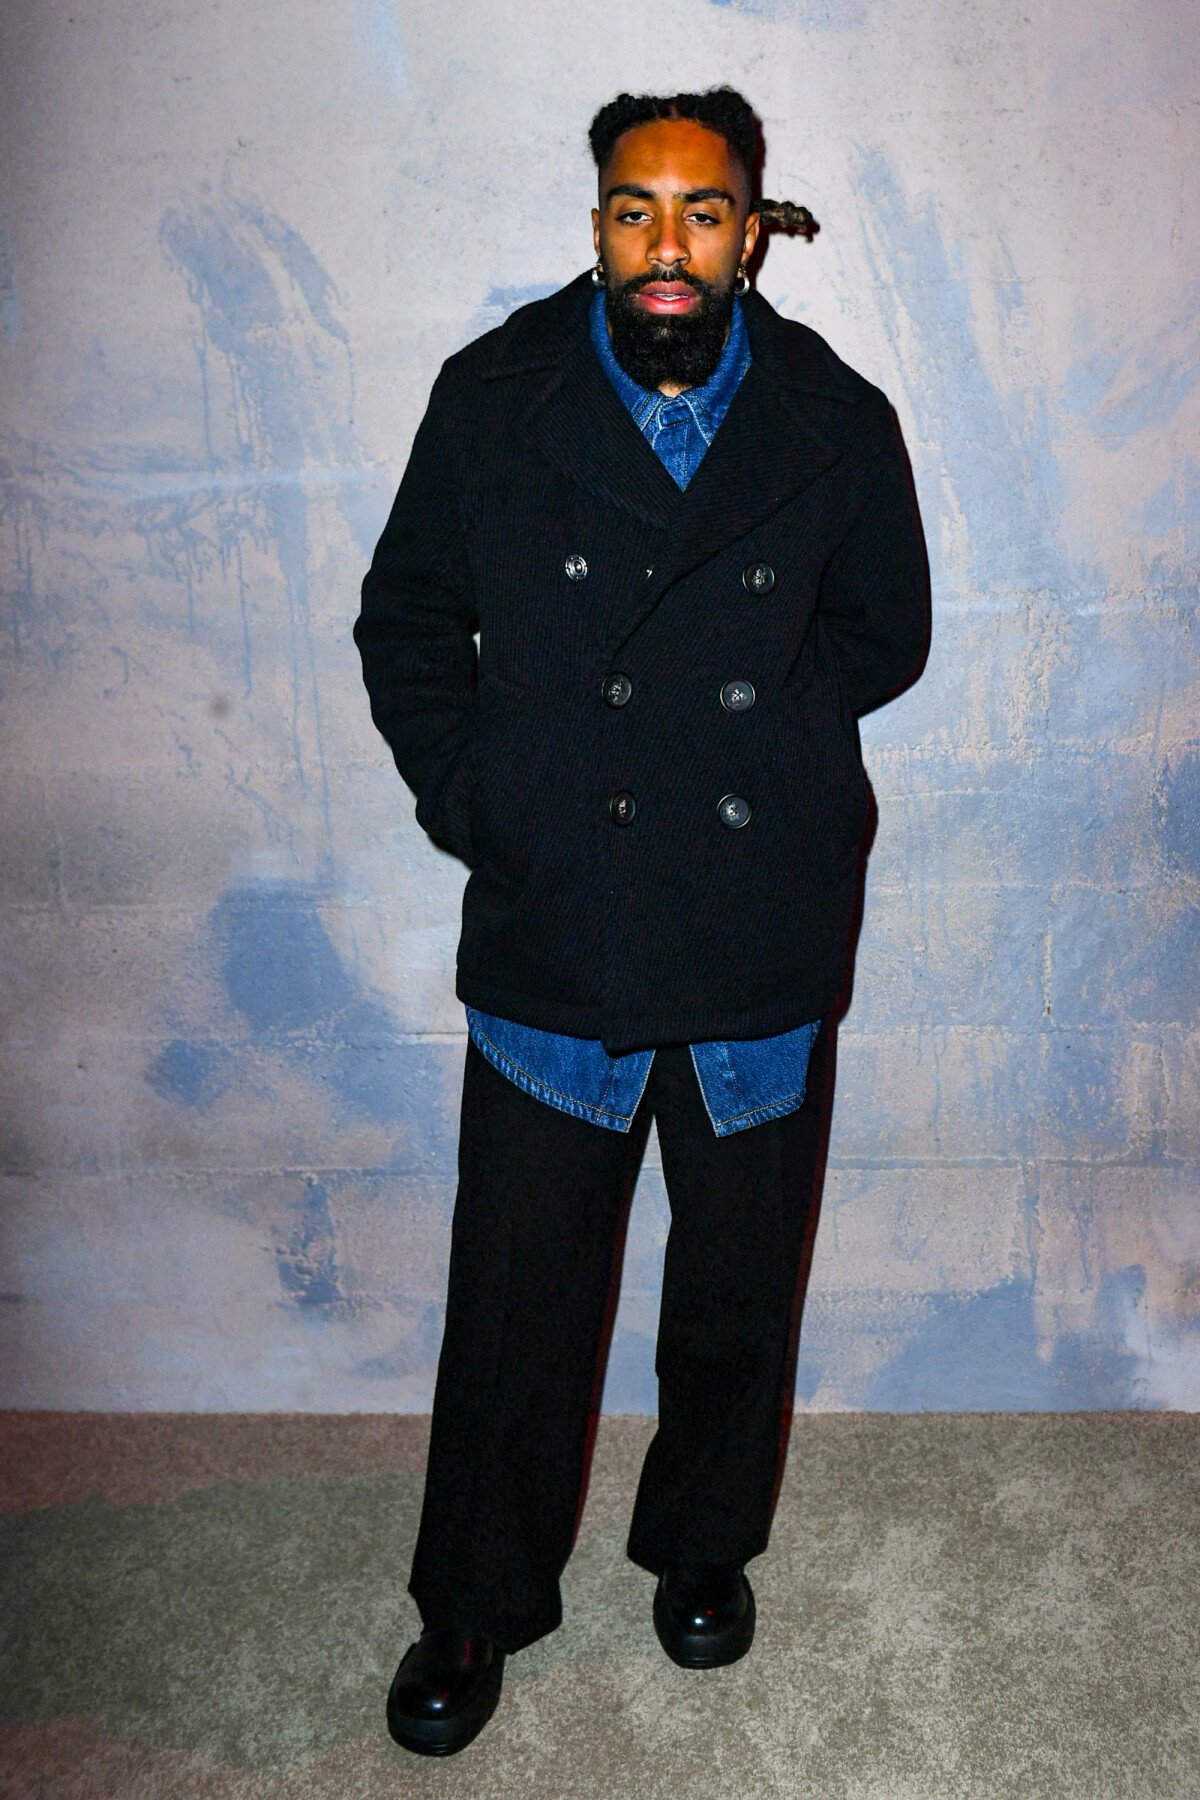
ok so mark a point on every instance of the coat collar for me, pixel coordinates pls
(539, 335)
(764, 454)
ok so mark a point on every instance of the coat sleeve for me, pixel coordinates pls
(415, 634)
(874, 597)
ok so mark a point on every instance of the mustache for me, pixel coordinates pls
(654, 278)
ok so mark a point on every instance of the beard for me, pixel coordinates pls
(652, 348)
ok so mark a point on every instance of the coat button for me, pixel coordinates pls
(736, 696)
(617, 688)
(622, 806)
(576, 568)
(733, 810)
(758, 577)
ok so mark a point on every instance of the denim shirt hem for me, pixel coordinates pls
(540, 1090)
(724, 1093)
(759, 1116)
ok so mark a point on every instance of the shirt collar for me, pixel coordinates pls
(707, 403)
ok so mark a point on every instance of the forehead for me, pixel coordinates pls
(673, 154)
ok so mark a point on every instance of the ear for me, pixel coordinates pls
(596, 229)
(753, 223)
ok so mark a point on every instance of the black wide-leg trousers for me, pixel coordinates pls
(541, 1199)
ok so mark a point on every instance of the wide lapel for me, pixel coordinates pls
(577, 421)
(764, 454)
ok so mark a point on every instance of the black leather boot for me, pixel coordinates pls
(444, 1692)
(704, 1614)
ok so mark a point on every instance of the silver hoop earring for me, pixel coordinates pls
(598, 275)
(742, 284)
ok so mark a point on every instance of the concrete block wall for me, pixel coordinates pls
(235, 246)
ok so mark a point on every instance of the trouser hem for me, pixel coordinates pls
(654, 1562)
(512, 1634)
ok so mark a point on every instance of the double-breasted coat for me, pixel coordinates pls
(650, 764)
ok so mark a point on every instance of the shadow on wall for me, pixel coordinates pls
(979, 1352)
(302, 1048)
(283, 975)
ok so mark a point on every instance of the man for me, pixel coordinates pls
(686, 535)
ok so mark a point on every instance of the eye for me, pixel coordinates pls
(632, 214)
(702, 218)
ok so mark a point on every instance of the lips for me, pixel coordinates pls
(667, 297)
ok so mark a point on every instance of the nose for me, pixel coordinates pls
(668, 246)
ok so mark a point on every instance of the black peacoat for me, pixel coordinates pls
(651, 763)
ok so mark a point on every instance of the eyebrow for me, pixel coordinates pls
(633, 192)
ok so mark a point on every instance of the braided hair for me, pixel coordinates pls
(719, 109)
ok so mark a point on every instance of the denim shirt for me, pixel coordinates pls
(742, 1082)
(679, 429)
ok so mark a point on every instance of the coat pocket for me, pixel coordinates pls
(512, 794)
(810, 758)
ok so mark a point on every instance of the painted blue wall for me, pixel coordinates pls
(234, 249)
